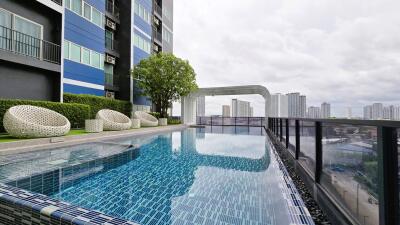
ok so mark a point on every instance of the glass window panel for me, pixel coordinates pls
(66, 50)
(101, 61)
(76, 6)
(136, 8)
(307, 145)
(141, 11)
(87, 11)
(95, 57)
(27, 41)
(350, 169)
(27, 27)
(68, 4)
(96, 17)
(5, 18)
(75, 52)
(86, 56)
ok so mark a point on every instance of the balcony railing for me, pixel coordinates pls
(20, 43)
(231, 121)
(157, 9)
(112, 8)
(157, 35)
(352, 162)
(111, 80)
(111, 44)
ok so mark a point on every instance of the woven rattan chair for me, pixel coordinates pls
(26, 121)
(113, 120)
(146, 120)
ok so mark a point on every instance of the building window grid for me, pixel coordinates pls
(80, 8)
(83, 55)
(142, 12)
(142, 44)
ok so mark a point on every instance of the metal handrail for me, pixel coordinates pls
(386, 136)
(23, 44)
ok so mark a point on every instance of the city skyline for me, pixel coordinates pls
(326, 60)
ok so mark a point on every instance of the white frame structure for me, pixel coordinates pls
(188, 103)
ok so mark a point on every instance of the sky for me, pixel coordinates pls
(346, 52)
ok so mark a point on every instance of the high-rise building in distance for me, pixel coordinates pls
(303, 106)
(293, 104)
(201, 106)
(314, 112)
(367, 111)
(279, 105)
(377, 111)
(325, 110)
(226, 111)
(240, 108)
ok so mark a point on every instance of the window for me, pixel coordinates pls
(141, 9)
(96, 17)
(95, 59)
(87, 11)
(67, 4)
(136, 8)
(76, 6)
(75, 54)
(85, 56)
(101, 61)
(142, 44)
(66, 49)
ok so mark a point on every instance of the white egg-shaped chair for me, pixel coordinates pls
(113, 120)
(26, 121)
(146, 120)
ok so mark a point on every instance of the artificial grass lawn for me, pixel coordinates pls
(4, 137)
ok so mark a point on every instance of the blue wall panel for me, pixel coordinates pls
(81, 72)
(141, 24)
(69, 88)
(83, 32)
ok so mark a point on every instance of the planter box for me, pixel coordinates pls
(162, 122)
(135, 123)
(93, 126)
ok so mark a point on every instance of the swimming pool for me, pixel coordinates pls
(193, 176)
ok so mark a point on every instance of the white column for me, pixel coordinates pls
(188, 110)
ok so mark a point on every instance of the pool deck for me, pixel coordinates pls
(45, 143)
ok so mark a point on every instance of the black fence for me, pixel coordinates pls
(20, 43)
(351, 166)
(231, 121)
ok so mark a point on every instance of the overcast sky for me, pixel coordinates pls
(345, 52)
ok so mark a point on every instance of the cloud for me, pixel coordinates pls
(346, 52)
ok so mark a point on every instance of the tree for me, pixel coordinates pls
(164, 78)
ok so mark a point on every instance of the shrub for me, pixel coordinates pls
(173, 121)
(155, 114)
(76, 113)
(97, 103)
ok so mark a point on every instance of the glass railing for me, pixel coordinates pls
(20, 43)
(355, 162)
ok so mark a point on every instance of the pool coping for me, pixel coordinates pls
(55, 142)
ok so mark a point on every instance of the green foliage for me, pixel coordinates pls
(172, 121)
(164, 78)
(97, 103)
(155, 114)
(76, 113)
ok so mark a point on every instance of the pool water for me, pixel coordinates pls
(193, 176)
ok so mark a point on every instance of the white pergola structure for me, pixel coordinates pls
(188, 103)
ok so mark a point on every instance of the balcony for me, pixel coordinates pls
(22, 44)
(157, 36)
(112, 9)
(112, 44)
(157, 10)
(111, 81)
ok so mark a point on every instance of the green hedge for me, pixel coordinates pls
(96, 103)
(76, 113)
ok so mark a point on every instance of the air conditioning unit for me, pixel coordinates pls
(110, 59)
(110, 24)
(110, 94)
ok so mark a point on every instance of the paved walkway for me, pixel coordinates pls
(44, 143)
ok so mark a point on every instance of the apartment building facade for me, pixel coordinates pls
(51, 47)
